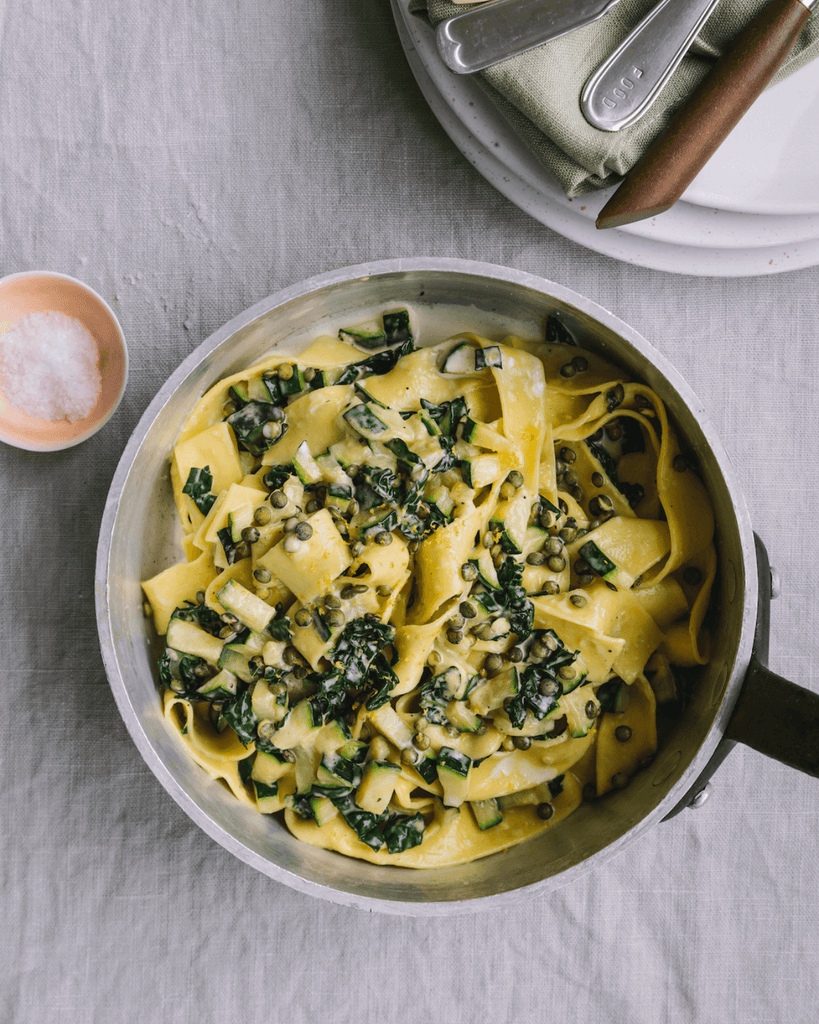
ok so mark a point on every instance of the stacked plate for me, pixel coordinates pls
(752, 210)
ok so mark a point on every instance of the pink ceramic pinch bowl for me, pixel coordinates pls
(45, 292)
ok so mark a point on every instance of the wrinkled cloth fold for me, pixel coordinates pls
(538, 92)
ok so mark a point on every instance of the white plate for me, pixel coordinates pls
(689, 238)
(782, 175)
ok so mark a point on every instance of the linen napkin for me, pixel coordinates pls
(538, 92)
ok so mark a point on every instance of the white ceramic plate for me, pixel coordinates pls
(689, 238)
(782, 175)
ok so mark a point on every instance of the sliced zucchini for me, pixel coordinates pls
(268, 768)
(489, 695)
(353, 750)
(487, 813)
(222, 686)
(510, 521)
(614, 695)
(390, 724)
(364, 421)
(377, 786)
(539, 794)
(576, 706)
(323, 809)
(188, 638)
(249, 609)
(453, 773)
(367, 335)
(268, 800)
(297, 727)
(266, 705)
(338, 772)
(339, 497)
(462, 717)
(306, 467)
(490, 356)
(460, 359)
(599, 563)
(239, 393)
(293, 384)
(236, 658)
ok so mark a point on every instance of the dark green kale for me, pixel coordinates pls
(509, 599)
(279, 626)
(403, 831)
(447, 416)
(198, 486)
(434, 697)
(358, 645)
(397, 327)
(377, 364)
(365, 824)
(204, 617)
(376, 486)
(277, 475)
(246, 767)
(229, 545)
(249, 422)
(182, 673)
(382, 680)
(241, 717)
(633, 493)
(531, 679)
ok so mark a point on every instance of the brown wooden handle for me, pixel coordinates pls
(697, 130)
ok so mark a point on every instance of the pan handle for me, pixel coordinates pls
(774, 716)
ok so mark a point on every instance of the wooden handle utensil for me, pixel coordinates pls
(697, 130)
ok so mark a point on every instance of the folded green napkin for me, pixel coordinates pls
(538, 93)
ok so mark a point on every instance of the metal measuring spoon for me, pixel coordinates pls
(630, 80)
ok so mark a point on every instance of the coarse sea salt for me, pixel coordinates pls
(49, 367)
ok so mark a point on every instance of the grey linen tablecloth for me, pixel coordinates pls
(187, 160)
(538, 92)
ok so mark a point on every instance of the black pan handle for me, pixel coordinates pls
(774, 716)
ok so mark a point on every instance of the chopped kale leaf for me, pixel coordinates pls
(241, 717)
(509, 599)
(633, 493)
(532, 678)
(365, 824)
(404, 831)
(181, 670)
(358, 646)
(382, 679)
(249, 422)
(198, 487)
(397, 327)
(230, 547)
(204, 617)
(277, 475)
(375, 365)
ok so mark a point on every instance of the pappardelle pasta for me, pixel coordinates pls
(432, 596)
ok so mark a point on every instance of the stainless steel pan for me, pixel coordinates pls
(736, 698)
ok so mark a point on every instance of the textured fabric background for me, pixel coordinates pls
(186, 160)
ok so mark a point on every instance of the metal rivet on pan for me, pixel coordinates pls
(699, 798)
(776, 583)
